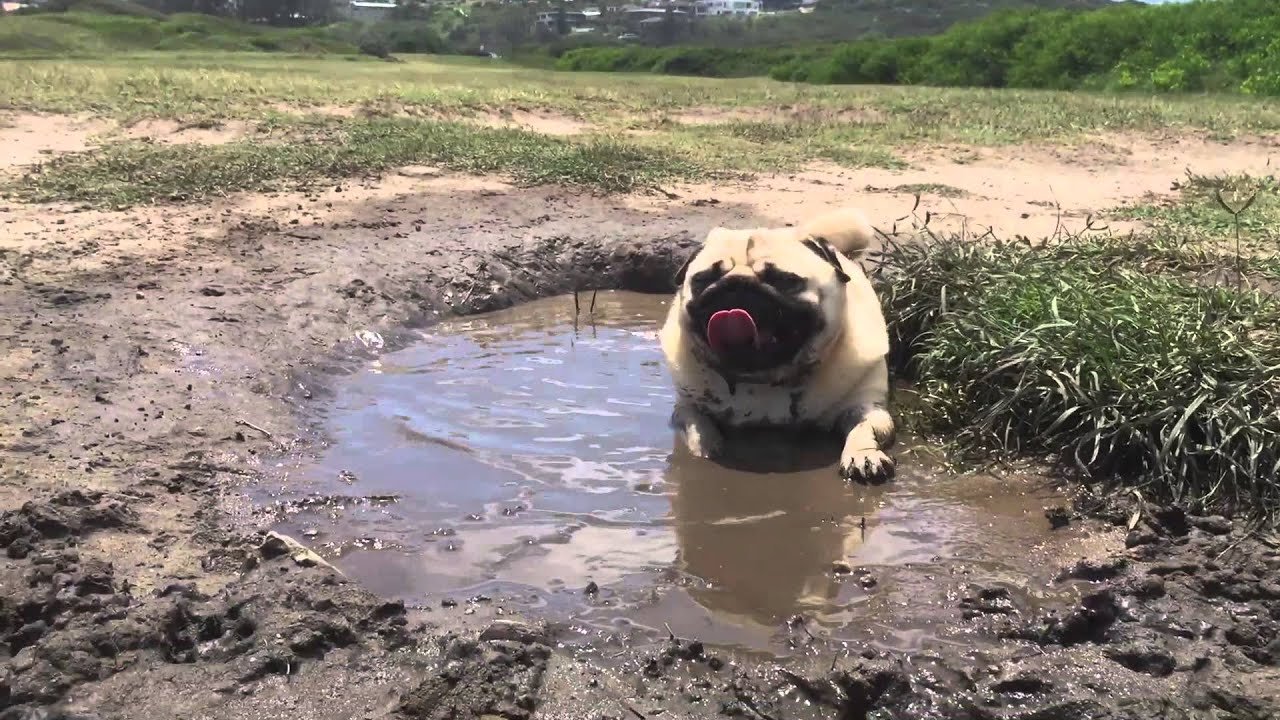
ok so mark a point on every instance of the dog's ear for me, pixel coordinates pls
(823, 249)
(684, 269)
(847, 230)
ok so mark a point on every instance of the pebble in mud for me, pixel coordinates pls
(1058, 517)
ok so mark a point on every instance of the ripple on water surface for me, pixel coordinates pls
(532, 458)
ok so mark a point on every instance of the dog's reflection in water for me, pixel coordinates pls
(764, 526)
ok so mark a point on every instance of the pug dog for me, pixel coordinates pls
(780, 327)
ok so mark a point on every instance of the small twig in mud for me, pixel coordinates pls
(862, 528)
(799, 621)
(635, 712)
(751, 705)
(669, 630)
(251, 426)
(1234, 544)
(810, 692)
(467, 297)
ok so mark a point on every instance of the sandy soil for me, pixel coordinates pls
(154, 360)
(27, 139)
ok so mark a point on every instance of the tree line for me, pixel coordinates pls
(1203, 45)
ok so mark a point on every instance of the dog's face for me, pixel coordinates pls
(762, 303)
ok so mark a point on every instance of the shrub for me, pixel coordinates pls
(1113, 357)
(376, 45)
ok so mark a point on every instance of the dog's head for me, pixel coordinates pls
(766, 303)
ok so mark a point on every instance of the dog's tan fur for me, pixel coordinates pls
(839, 381)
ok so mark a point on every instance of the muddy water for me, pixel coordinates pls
(521, 458)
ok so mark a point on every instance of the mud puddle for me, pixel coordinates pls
(524, 460)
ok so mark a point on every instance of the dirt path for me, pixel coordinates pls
(156, 360)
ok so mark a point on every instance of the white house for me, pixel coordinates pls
(369, 10)
(728, 7)
(572, 19)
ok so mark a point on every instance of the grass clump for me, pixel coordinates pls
(129, 173)
(1119, 360)
(1207, 209)
(937, 189)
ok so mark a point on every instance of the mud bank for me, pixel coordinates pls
(153, 359)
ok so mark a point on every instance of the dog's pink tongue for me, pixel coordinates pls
(729, 329)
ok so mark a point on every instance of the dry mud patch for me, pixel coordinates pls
(29, 139)
(1034, 191)
(136, 584)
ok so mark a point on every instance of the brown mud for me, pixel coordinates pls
(156, 361)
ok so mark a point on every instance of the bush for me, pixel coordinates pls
(397, 36)
(375, 45)
(1113, 357)
(697, 61)
(1225, 45)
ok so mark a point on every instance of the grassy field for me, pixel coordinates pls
(324, 117)
(1151, 360)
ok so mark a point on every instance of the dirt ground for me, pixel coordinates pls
(156, 360)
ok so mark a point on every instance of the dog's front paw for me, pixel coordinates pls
(869, 466)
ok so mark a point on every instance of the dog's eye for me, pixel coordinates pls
(783, 281)
(703, 279)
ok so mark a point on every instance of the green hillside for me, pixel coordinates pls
(93, 33)
(1220, 45)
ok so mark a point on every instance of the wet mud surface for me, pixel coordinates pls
(158, 364)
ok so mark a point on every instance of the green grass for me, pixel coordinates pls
(129, 173)
(95, 34)
(350, 108)
(194, 85)
(292, 151)
(1205, 210)
(1132, 360)
(783, 126)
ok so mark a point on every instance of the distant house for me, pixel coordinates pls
(742, 8)
(572, 20)
(369, 10)
(640, 15)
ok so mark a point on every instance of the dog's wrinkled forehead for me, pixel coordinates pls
(751, 251)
